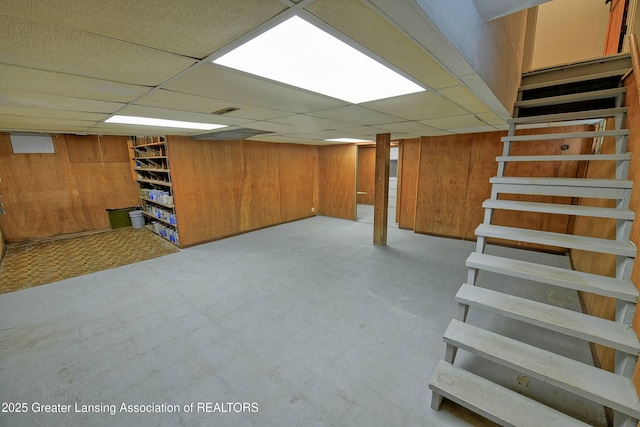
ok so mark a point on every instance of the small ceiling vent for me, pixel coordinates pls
(225, 110)
(233, 134)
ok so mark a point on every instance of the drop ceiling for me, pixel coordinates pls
(67, 65)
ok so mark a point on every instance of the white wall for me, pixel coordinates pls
(568, 31)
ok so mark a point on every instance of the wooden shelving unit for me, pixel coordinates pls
(151, 170)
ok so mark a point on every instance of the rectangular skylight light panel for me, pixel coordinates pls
(300, 54)
(147, 121)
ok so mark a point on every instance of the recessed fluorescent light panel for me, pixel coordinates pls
(147, 121)
(348, 140)
(300, 54)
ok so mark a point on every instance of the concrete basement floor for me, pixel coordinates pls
(307, 323)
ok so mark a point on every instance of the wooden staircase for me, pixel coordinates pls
(550, 98)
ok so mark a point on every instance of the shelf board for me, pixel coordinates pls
(152, 170)
(148, 157)
(151, 144)
(157, 203)
(155, 218)
(152, 181)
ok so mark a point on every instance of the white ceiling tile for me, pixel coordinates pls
(200, 104)
(356, 114)
(360, 131)
(194, 29)
(492, 118)
(22, 79)
(475, 129)
(53, 102)
(456, 122)
(10, 122)
(418, 106)
(285, 139)
(162, 113)
(360, 23)
(120, 129)
(463, 97)
(310, 122)
(409, 127)
(51, 114)
(47, 46)
(223, 83)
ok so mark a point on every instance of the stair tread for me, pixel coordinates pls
(598, 385)
(571, 279)
(563, 187)
(574, 79)
(566, 158)
(590, 328)
(564, 182)
(493, 401)
(565, 135)
(562, 240)
(559, 208)
(574, 97)
(574, 115)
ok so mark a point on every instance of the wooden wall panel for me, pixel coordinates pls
(633, 123)
(2, 246)
(366, 175)
(46, 195)
(83, 148)
(114, 148)
(542, 221)
(484, 149)
(296, 162)
(408, 167)
(223, 188)
(337, 181)
(598, 263)
(453, 182)
(260, 195)
(442, 185)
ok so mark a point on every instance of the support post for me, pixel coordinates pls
(381, 198)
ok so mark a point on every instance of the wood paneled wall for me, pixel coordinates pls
(605, 228)
(2, 246)
(633, 123)
(598, 263)
(408, 167)
(67, 192)
(337, 181)
(223, 188)
(366, 174)
(453, 181)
